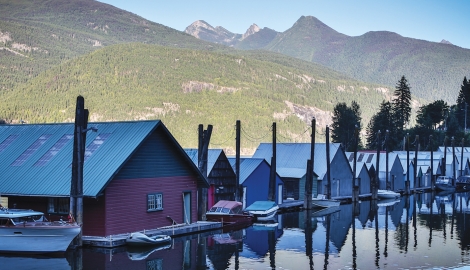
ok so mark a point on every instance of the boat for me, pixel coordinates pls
(263, 210)
(229, 213)
(141, 239)
(444, 183)
(322, 202)
(387, 194)
(25, 230)
(463, 182)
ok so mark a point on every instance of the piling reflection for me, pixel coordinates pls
(409, 232)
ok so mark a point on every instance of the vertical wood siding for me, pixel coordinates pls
(157, 156)
(126, 203)
(94, 216)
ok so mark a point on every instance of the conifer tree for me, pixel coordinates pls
(345, 120)
(402, 103)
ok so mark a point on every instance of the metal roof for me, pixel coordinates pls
(247, 167)
(212, 157)
(290, 157)
(52, 178)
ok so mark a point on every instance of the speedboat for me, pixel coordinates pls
(322, 202)
(387, 194)
(24, 230)
(444, 183)
(263, 210)
(229, 213)
(141, 239)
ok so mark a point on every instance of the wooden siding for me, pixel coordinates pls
(126, 203)
(222, 174)
(157, 156)
(257, 185)
(94, 216)
(341, 177)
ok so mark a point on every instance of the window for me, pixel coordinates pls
(31, 150)
(58, 206)
(7, 142)
(95, 144)
(54, 150)
(155, 202)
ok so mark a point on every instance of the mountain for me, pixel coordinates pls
(434, 70)
(253, 38)
(205, 31)
(37, 35)
(185, 88)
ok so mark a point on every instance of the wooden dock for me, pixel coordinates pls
(117, 240)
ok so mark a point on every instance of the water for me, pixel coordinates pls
(422, 231)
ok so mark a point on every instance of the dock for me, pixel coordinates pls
(177, 230)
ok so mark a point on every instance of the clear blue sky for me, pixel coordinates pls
(431, 20)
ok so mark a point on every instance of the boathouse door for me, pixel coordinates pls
(187, 207)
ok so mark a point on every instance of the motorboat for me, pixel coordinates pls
(463, 182)
(322, 202)
(387, 194)
(141, 239)
(229, 213)
(444, 183)
(24, 230)
(263, 210)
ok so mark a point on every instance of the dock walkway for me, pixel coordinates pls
(173, 231)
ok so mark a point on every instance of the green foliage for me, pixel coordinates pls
(185, 88)
(431, 115)
(345, 122)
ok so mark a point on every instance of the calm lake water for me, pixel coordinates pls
(422, 231)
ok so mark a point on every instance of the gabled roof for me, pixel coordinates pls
(292, 157)
(47, 171)
(212, 157)
(247, 166)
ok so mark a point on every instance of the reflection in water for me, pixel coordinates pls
(365, 235)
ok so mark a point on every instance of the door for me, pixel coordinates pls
(187, 207)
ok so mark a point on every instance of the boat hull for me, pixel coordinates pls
(445, 187)
(230, 218)
(37, 239)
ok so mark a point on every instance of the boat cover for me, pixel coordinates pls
(261, 206)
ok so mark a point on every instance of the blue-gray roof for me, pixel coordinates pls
(291, 158)
(247, 166)
(48, 171)
(212, 157)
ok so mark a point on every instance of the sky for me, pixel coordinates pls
(431, 20)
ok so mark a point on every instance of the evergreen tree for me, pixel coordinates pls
(462, 104)
(383, 121)
(345, 120)
(431, 115)
(402, 103)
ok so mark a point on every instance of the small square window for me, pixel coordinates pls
(58, 206)
(155, 202)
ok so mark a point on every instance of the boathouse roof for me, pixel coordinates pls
(291, 158)
(36, 159)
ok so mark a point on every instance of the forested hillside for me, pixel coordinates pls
(185, 88)
(36, 35)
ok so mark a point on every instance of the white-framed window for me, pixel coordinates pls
(154, 202)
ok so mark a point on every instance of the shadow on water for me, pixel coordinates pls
(409, 232)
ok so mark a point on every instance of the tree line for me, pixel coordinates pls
(437, 123)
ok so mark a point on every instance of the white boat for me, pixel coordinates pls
(27, 231)
(141, 239)
(387, 194)
(263, 210)
(322, 202)
(444, 183)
